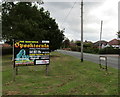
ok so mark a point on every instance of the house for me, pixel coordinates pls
(114, 43)
(102, 43)
(72, 44)
(5, 45)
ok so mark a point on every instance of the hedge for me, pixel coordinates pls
(8, 50)
(74, 48)
(91, 50)
(109, 50)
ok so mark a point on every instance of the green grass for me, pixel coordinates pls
(67, 76)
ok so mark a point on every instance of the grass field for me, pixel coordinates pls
(67, 76)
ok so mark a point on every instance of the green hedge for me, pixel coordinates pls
(6, 51)
(91, 50)
(85, 50)
(75, 48)
(109, 50)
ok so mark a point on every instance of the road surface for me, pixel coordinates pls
(112, 60)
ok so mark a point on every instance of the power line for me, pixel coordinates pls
(68, 14)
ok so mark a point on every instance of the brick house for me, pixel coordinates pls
(114, 43)
(102, 44)
(5, 45)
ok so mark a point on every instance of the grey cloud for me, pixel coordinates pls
(59, 10)
(59, 5)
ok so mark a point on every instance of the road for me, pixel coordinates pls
(112, 60)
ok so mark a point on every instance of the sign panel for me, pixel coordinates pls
(101, 60)
(31, 53)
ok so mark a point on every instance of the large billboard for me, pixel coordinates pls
(31, 53)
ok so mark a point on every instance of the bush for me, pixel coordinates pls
(86, 49)
(109, 50)
(8, 50)
(75, 48)
(90, 50)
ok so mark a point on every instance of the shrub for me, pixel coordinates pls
(109, 50)
(90, 50)
(8, 50)
(75, 48)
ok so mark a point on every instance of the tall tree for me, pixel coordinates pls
(78, 43)
(24, 21)
(66, 43)
(118, 33)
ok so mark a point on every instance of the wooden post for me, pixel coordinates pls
(13, 74)
(16, 70)
(13, 63)
(46, 70)
(100, 63)
(106, 63)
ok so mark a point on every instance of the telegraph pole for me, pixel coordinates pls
(100, 35)
(82, 31)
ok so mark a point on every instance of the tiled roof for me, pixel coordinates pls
(5, 45)
(102, 42)
(114, 42)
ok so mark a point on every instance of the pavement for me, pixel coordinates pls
(112, 60)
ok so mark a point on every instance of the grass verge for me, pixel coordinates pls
(67, 76)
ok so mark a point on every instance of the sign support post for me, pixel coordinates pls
(106, 64)
(46, 70)
(16, 70)
(13, 62)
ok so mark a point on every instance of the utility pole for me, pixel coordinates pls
(82, 31)
(100, 35)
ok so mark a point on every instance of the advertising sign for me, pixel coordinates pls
(31, 53)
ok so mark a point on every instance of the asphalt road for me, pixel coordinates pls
(112, 60)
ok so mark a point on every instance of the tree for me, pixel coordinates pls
(118, 33)
(78, 43)
(66, 43)
(24, 21)
(72, 41)
(88, 44)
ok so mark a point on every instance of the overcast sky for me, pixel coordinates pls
(94, 12)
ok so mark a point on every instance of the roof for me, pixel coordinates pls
(102, 42)
(5, 45)
(72, 44)
(114, 42)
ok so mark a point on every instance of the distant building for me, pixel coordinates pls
(5, 45)
(72, 44)
(114, 43)
(102, 44)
